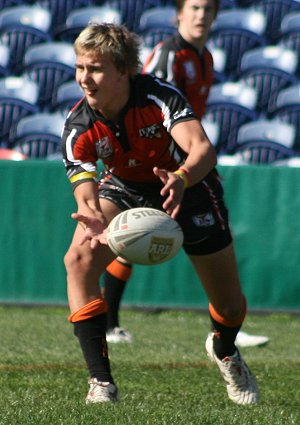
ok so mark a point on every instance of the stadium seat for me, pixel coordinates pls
(265, 141)
(230, 105)
(269, 69)
(66, 96)
(244, 3)
(21, 27)
(10, 3)
(78, 19)
(18, 98)
(39, 135)
(227, 4)
(131, 10)
(274, 11)
(290, 33)
(4, 61)
(11, 155)
(287, 109)
(157, 24)
(236, 31)
(212, 130)
(59, 10)
(49, 65)
(219, 57)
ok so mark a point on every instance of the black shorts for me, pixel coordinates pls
(203, 215)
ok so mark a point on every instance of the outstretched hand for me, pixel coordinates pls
(95, 231)
(173, 189)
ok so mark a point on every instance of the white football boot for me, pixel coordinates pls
(101, 392)
(117, 335)
(240, 382)
(244, 339)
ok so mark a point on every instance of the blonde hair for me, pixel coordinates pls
(122, 45)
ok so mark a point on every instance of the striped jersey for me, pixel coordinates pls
(180, 63)
(131, 147)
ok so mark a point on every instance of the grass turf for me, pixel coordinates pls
(164, 377)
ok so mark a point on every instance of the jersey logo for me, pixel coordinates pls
(190, 70)
(104, 148)
(203, 90)
(132, 163)
(181, 114)
(204, 220)
(151, 132)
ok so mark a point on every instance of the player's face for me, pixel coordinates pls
(195, 20)
(103, 84)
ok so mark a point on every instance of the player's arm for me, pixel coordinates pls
(200, 160)
(201, 156)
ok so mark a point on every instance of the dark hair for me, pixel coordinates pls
(181, 3)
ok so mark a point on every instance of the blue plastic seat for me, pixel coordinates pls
(265, 141)
(212, 129)
(39, 135)
(59, 10)
(18, 98)
(269, 69)
(78, 19)
(21, 27)
(290, 33)
(227, 4)
(10, 3)
(4, 61)
(131, 10)
(230, 105)
(49, 65)
(236, 31)
(219, 57)
(287, 109)
(157, 24)
(66, 96)
(274, 11)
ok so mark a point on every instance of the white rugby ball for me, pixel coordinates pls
(144, 236)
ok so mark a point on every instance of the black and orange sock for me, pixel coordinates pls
(225, 332)
(90, 330)
(115, 280)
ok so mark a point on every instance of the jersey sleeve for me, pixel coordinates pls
(173, 104)
(79, 157)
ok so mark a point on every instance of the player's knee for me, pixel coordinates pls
(76, 262)
(233, 311)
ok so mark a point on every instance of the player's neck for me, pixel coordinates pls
(198, 43)
(112, 110)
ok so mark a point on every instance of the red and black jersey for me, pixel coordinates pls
(180, 63)
(139, 141)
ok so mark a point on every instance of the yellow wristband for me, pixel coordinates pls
(183, 176)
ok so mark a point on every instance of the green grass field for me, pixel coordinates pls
(164, 377)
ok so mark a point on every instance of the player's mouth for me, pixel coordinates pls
(89, 92)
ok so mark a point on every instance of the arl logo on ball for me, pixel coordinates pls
(160, 248)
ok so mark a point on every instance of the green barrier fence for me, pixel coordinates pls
(36, 229)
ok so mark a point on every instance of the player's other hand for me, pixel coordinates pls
(94, 230)
(173, 189)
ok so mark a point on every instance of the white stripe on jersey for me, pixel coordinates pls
(165, 110)
(170, 67)
(88, 166)
(152, 64)
(69, 150)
